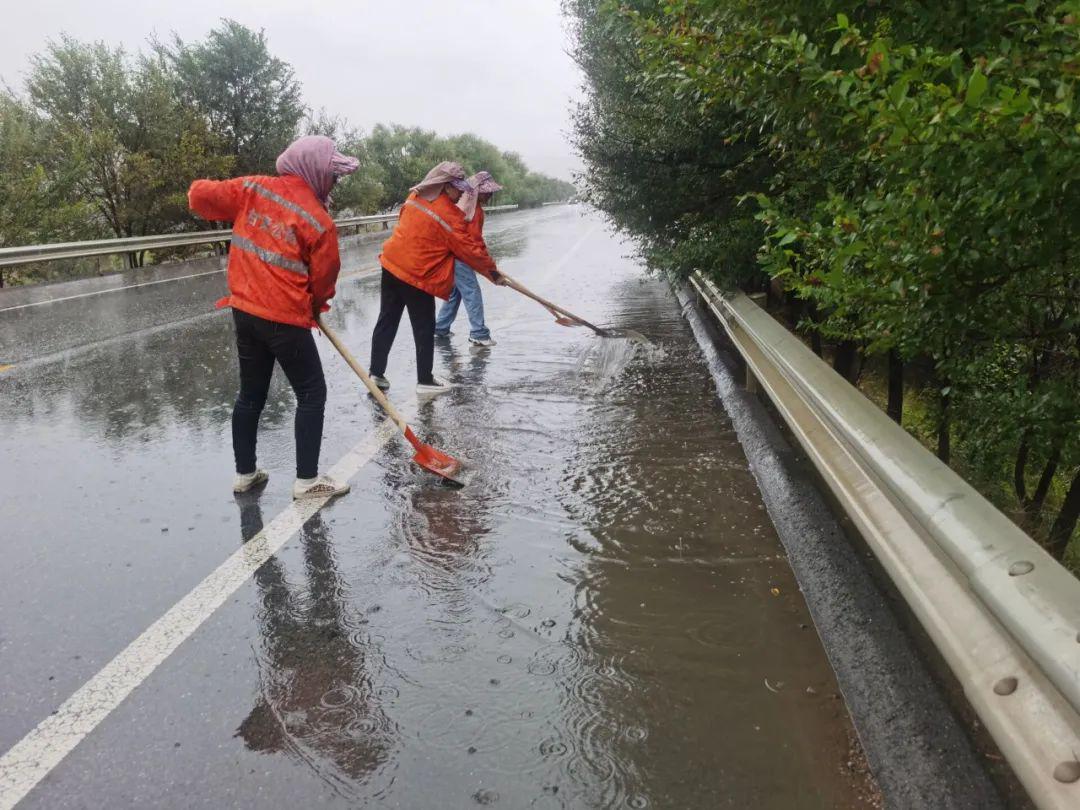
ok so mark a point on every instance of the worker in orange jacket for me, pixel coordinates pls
(466, 288)
(283, 267)
(418, 265)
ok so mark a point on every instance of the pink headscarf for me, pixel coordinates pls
(445, 173)
(316, 160)
(479, 183)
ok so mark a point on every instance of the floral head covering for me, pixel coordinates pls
(480, 183)
(446, 173)
(316, 160)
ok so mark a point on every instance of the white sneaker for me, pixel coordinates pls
(381, 382)
(248, 481)
(322, 486)
(483, 342)
(436, 386)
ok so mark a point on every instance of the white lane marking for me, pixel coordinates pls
(348, 274)
(508, 318)
(33, 757)
(30, 760)
(574, 248)
(363, 271)
(110, 290)
(73, 351)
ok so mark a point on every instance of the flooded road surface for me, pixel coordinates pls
(602, 618)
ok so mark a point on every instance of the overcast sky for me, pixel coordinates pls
(494, 67)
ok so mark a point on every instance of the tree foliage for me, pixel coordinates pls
(32, 195)
(120, 140)
(400, 156)
(252, 99)
(907, 173)
(103, 143)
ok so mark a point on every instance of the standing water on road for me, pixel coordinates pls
(603, 618)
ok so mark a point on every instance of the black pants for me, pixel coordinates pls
(396, 296)
(259, 343)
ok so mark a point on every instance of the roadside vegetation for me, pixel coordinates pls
(901, 178)
(103, 143)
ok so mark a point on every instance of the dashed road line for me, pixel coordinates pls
(349, 274)
(508, 318)
(32, 758)
(110, 290)
(363, 271)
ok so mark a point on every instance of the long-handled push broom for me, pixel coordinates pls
(426, 456)
(564, 317)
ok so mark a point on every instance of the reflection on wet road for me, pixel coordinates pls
(602, 618)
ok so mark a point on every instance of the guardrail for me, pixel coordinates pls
(29, 254)
(1003, 613)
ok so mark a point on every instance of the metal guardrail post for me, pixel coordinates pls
(751, 382)
(1004, 615)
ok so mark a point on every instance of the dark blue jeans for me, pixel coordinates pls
(467, 289)
(260, 343)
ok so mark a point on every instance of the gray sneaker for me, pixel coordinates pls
(322, 486)
(436, 386)
(248, 481)
(485, 343)
(381, 382)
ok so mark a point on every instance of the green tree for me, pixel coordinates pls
(251, 98)
(130, 147)
(405, 154)
(108, 144)
(361, 191)
(912, 171)
(664, 163)
(37, 203)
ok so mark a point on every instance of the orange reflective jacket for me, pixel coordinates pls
(283, 261)
(475, 226)
(427, 239)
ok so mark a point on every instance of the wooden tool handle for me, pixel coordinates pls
(552, 307)
(376, 392)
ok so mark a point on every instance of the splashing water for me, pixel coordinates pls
(601, 361)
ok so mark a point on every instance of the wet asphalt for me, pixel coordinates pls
(603, 617)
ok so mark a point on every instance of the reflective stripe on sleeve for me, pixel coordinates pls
(430, 213)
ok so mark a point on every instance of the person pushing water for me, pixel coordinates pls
(418, 265)
(283, 269)
(466, 287)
